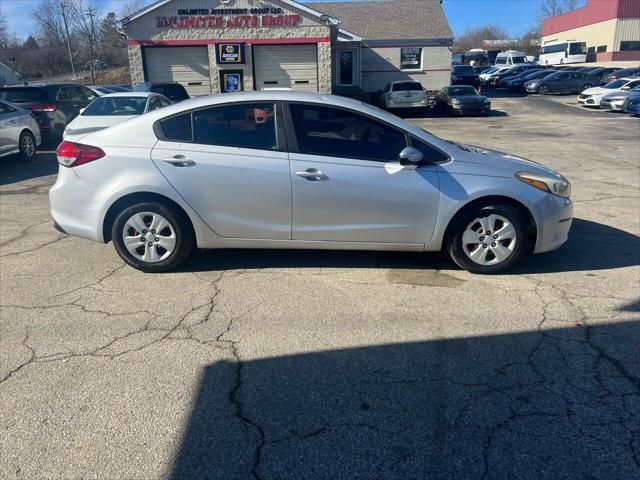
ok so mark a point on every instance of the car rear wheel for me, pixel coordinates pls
(585, 86)
(488, 238)
(27, 145)
(543, 90)
(152, 236)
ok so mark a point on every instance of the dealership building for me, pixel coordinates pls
(610, 28)
(214, 46)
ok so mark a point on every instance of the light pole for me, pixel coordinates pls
(93, 75)
(66, 29)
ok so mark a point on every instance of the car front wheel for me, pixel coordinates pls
(488, 238)
(27, 145)
(543, 90)
(152, 236)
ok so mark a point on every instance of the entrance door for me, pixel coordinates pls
(347, 185)
(286, 66)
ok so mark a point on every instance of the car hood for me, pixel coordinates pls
(505, 163)
(620, 93)
(82, 125)
(598, 91)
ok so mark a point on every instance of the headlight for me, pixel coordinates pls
(616, 99)
(455, 101)
(486, 100)
(556, 186)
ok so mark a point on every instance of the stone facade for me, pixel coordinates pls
(145, 29)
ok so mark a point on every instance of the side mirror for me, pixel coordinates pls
(82, 110)
(410, 156)
(625, 88)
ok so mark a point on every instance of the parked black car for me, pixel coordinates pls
(564, 81)
(496, 78)
(173, 91)
(518, 82)
(604, 73)
(624, 73)
(53, 104)
(464, 75)
(461, 100)
(504, 81)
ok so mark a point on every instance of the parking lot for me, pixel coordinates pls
(296, 364)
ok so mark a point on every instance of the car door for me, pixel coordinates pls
(229, 162)
(561, 83)
(346, 183)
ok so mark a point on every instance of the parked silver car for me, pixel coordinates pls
(283, 169)
(19, 132)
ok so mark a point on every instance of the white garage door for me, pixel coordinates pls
(286, 66)
(188, 66)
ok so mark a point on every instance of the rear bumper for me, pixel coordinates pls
(76, 206)
(400, 105)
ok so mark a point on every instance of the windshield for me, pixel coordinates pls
(615, 84)
(462, 90)
(116, 106)
(463, 69)
(501, 61)
(23, 95)
(174, 92)
(403, 86)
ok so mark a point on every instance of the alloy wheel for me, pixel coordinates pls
(543, 90)
(149, 237)
(27, 145)
(489, 240)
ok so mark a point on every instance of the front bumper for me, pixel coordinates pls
(553, 230)
(531, 88)
(470, 110)
(617, 106)
(589, 101)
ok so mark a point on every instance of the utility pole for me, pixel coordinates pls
(93, 74)
(66, 29)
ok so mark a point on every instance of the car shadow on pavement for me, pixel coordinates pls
(543, 404)
(14, 169)
(619, 249)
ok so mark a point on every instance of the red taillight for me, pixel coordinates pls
(71, 154)
(43, 107)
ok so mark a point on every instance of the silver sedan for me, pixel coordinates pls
(19, 132)
(281, 169)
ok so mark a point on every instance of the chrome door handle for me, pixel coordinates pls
(312, 174)
(179, 161)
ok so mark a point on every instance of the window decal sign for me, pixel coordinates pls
(230, 53)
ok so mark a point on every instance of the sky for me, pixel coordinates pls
(517, 16)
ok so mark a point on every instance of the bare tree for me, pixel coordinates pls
(472, 37)
(4, 32)
(551, 8)
(131, 6)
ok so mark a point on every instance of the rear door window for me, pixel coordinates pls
(246, 125)
(339, 132)
(177, 129)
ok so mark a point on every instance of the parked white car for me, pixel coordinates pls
(484, 76)
(592, 97)
(19, 132)
(112, 109)
(404, 94)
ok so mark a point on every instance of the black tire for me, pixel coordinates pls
(27, 153)
(585, 87)
(184, 236)
(543, 90)
(454, 241)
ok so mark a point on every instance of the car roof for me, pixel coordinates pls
(130, 94)
(404, 81)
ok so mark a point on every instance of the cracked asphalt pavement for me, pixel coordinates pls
(294, 364)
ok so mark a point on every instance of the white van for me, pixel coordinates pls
(510, 58)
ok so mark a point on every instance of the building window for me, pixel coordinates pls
(346, 68)
(411, 58)
(630, 46)
(601, 49)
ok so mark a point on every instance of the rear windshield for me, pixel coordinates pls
(116, 106)
(23, 95)
(463, 69)
(462, 90)
(174, 92)
(403, 86)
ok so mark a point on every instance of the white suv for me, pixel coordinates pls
(404, 94)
